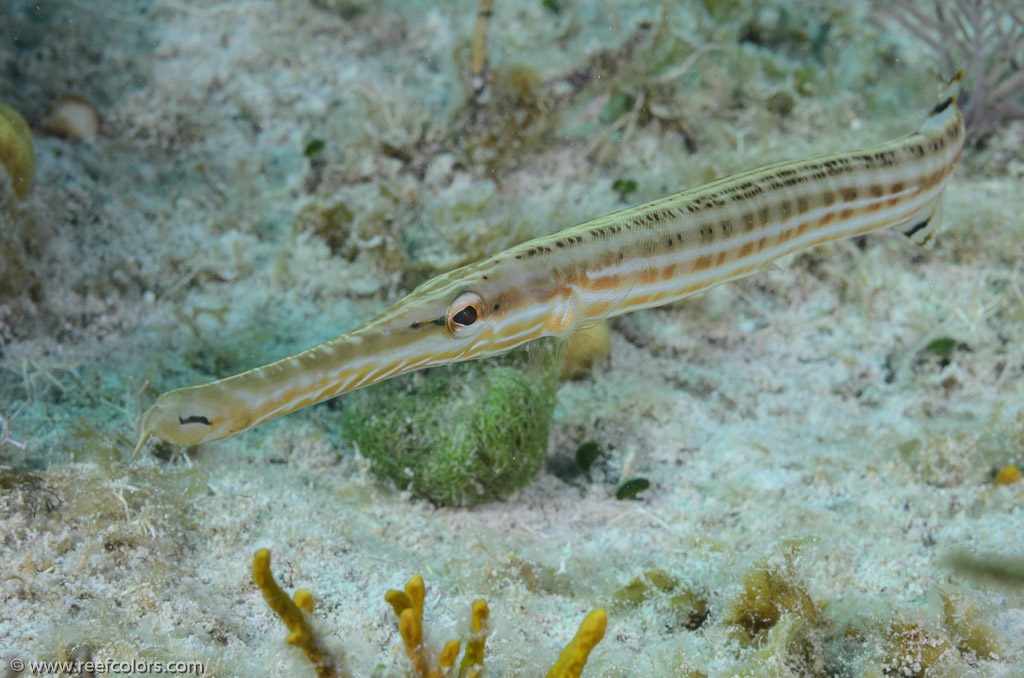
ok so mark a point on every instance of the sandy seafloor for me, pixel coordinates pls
(793, 421)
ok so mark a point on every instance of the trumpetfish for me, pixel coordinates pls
(634, 259)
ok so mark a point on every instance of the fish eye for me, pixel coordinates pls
(194, 419)
(464, 311)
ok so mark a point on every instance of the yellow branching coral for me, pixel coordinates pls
(574, 657)
(293, 612)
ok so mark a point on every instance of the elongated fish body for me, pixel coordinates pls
(638, 258)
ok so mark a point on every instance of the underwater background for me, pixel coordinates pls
(809, 472)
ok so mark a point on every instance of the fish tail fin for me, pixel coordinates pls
(946, 107)
(944, 123)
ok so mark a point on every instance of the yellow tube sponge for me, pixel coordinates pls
(294, 614)
(1008, 475)
(408, 605)
(303, 599)
(449, 653)
(16, 154)
(411, 629)
(574, 657)
(473, 661)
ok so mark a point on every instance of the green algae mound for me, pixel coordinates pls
(462, 434)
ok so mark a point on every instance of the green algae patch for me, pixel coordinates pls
(587, 454)
(631, 487)
(942, 347)
(458, 435)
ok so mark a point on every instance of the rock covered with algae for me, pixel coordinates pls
(458, 435)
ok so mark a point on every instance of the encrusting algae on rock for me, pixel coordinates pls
(775, 613)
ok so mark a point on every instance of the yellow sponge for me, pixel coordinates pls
(16, 153)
